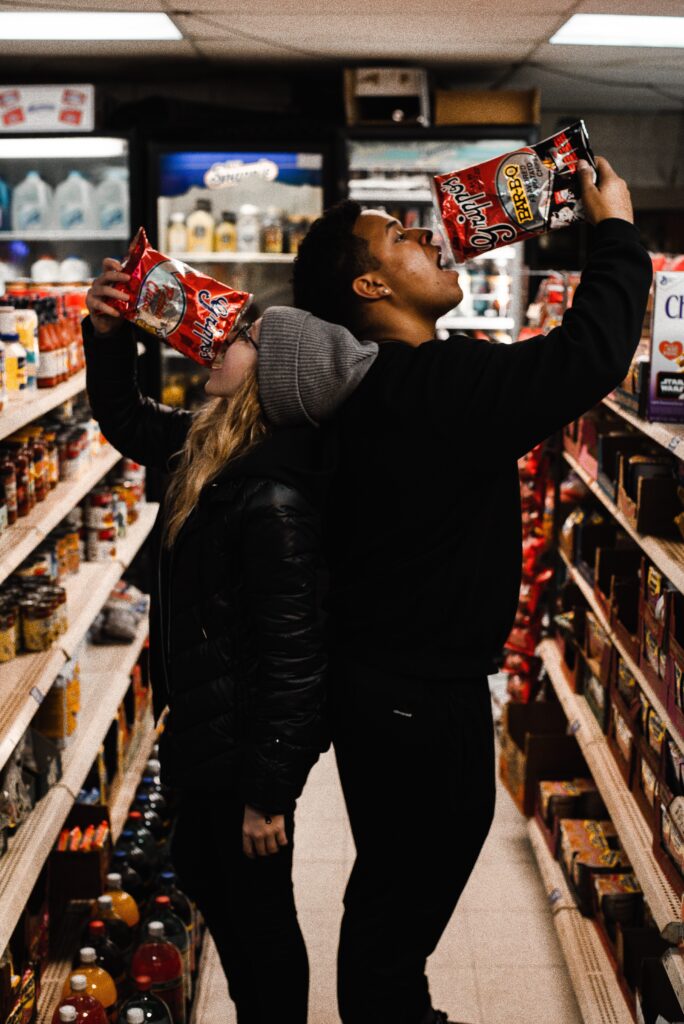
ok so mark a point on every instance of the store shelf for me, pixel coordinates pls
(234, 257)
(123, 790)
(50, 235)
(598, 993)
(54, 976)
(383, 195)
(668, 555)
(211, 1001)
(476, 323)
(19, 540)
(633, 667)
(30, 847)
(25, 680)
(669, 435)
(633, 831)
(25, 406)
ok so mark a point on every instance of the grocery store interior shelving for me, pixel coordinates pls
(234, 257)
(669, 435)
(55, 235)
(24, 406)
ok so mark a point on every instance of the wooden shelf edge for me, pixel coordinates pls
(622, 807)
(596, 987)
(209, 976)
(18, 413)
(669, 435)
(123, 791)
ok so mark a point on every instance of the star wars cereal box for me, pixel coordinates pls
(666, 386)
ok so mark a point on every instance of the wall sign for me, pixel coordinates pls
(47, 108)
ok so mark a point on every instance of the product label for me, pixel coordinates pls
(666, 388)
(50, 364)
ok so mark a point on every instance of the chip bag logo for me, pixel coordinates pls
(210, 328)
(161, 301)
(232, 172)
(671, 349)
(518, 194)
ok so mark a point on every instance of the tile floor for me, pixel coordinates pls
(499, 961)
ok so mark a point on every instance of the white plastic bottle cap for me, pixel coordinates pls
(105, 902)
(154, 765)
(156, 929)
(114, 880)
(79, 983)
(135, 1015)
(88, 955)
(67, 1014)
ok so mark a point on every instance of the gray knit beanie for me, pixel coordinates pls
(307, 367)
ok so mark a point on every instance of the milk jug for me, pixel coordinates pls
(31, 204)
(111, 200)
(74, 204)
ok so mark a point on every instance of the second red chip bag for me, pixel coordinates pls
(191, 311)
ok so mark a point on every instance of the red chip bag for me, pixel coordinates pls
(192, 312)
(515, 196)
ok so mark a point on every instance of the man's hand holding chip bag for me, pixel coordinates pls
(608, 196)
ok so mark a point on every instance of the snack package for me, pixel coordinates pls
(192, 312)
(515, 196)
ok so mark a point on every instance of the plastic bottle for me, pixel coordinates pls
(4, 205)
(136, 856)
(177, 233)
(143, 836)
(131, 882)
(15, 353)
(225, 236)
(74, 204)
(176, 932)
(155, 1011)
(248, 228)
(200, 225)
(100, 984)
(31, 208)
(159, 960)
(150, 817)
(109, 956)
(111, 201)
(27, 329)
(88, 1010)
(158, 794)
(272, 235)
(120, 933)
(67, 1014)
(182, 906)
(3, 377)
(123, 903)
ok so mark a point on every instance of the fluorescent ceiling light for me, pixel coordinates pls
(621, 30)
(86, 25)
(61, 148)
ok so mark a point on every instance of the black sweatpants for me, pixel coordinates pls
(248, 905)
(416, 762)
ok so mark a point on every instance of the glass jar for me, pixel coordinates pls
(36, 623)
(8, 635)
(8, 476)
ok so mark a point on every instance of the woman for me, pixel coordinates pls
(236, 643)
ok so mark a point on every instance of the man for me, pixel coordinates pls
(425, 553)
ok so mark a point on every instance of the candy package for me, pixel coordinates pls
(192, 312)
(515, 196)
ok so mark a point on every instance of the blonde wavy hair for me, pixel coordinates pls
(222, 429)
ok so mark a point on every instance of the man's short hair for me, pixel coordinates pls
(330, 257)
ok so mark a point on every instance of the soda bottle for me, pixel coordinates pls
(131, 882)
(183, 907)
(162, 963)
(123, 903)
(99, 984)
(109, 956)
(88, 1010)
(150, 817)
(143, 836)
(160, 797)
(120, 933)
(136, 856)
(154, 1010)
(176, 932)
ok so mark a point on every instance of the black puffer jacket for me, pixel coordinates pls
(236, 639)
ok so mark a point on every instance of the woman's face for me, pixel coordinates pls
(233, 363)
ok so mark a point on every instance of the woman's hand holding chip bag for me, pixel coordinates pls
(104, 318)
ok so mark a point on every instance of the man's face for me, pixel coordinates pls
(410, 265)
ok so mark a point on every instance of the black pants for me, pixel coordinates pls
(248, 906)
(416, 762)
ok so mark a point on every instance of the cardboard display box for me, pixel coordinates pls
(484, 106)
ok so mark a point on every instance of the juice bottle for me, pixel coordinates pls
(15, 353)
(123, 903)
(177, 233)
(109, 957)
(154, 1010)
(182, 907)
(162, 963)
(88, 1010)
(99, 983)
(120, 933)
(176, 932)
(27, 329)
(200, 225)
(225, 236)
(131, 882)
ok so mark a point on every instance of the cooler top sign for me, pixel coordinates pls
(34, 109)
(216, 169)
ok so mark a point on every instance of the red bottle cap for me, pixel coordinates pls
(97, 928)
(143, 982)
(135, 815)
(163, 901)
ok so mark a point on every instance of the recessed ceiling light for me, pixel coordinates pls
(86, 25)
(101, 147)
(621, 30)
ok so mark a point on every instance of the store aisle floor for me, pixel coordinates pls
(499, 962)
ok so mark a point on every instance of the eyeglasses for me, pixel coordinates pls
(242, 333)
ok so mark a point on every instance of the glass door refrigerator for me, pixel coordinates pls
(391, 170)
(237, 214)
(64, 205)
